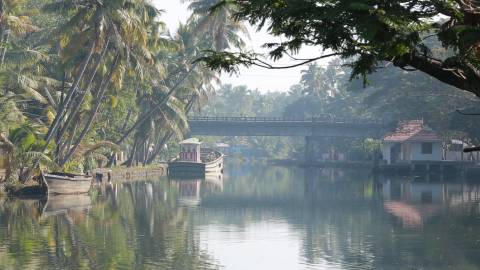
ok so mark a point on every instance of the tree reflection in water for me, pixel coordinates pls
(327, 219)
(128, 226)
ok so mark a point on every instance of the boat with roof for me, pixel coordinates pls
(196, 161)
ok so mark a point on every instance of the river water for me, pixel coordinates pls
(254, 217)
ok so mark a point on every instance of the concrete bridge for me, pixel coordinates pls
(325, 126)
(312, 129)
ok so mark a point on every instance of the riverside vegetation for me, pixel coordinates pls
(82, 80)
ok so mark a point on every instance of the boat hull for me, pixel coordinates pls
(63, 184)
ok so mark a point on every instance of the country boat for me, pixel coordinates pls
(66, 183)
(195, 161)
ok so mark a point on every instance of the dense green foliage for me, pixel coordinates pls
(370, 32)
(89, 76)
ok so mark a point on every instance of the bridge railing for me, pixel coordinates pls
(320, 119)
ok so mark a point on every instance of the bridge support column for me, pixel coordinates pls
(309, 149)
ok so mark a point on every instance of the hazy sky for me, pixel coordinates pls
(256, 78)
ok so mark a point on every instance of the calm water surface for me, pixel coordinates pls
(255, 217)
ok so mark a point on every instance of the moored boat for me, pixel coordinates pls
(66, 183)
(196, 161)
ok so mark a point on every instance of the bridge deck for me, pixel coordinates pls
(273, 126)
(286, 120)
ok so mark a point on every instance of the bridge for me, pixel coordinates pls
(313, 128)
(326, 126)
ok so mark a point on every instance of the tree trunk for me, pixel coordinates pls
(76, 109)
(168, 135)
(4, 51)
(111, 159)
(98, 102)
(159, 147)
(147, 115)
(132, 154)
(66, 102)
(64, 147)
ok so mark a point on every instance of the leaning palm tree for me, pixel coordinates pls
(170, 117)
(203, 32)
(115, 35)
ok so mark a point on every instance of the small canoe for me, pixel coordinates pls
(66, 183)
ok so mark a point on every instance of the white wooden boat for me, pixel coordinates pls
(211, 162)
(195, 161)
(65, 183)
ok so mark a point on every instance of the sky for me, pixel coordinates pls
(264, 80)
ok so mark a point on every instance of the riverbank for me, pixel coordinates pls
(322, 164)
(123, 174)
(102, 175)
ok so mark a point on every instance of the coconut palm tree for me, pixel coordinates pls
(205, 31)
(115, 33)
(171, 117)
(13, 22)
(26, 151)
(216, 23)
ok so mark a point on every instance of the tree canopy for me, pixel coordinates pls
(90, 77)
(370, 34)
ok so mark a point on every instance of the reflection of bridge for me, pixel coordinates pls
(316, 127)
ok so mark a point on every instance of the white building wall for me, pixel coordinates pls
(417, 152)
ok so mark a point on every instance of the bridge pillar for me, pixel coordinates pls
(309, 149)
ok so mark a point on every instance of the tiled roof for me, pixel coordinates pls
(412, 131)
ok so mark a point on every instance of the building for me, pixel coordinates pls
(190, 150)
(412, 141)
(453, 151)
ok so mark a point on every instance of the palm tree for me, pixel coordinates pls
(217, 24)
(13, 21)
(27, 143)
(206, 30)
(171, 117)
(311, 80)
(115, 33)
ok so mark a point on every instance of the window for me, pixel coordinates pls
(427, 148)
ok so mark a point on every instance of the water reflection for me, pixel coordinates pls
(66, 204)
(415, 202)
(252, 218)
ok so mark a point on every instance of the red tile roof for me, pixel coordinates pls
(412, 131)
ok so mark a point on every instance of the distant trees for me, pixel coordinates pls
(393, 95)
(370, 33)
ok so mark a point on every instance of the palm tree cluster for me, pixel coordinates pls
(89, 76)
